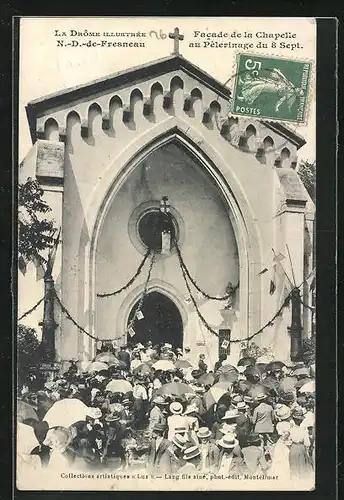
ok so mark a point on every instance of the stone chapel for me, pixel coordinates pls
(107, 152)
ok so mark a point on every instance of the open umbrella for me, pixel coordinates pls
(271, 383)
(66, 412)
(122, 386)
(144, 369)
(257, 389)
(287, 384)
(26, 439)
(25, 411)
(215, 393)
(302, 382)
(97, 366)
(164, 365)
(308, 387)
(275, 366)
(247, 361)
(174, 388)
(207, 379)
(261, 367)
(183, 364)
(108, 358)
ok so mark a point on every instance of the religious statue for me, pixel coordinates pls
(231, 291)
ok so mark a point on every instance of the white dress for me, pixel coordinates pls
(175, 421)
(280, 460)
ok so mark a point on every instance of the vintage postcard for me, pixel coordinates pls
(166, 256)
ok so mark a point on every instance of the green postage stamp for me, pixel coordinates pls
(270, 87)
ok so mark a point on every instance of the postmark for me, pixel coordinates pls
(270, 87)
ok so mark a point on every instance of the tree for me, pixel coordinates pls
(27, 349)
(307, 173)
(35, 231)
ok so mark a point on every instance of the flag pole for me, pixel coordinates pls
(292, 285)
(291, 264)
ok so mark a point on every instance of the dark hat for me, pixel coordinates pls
(253, 439)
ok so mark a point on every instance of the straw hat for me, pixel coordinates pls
(94, 413)
(227, 428)
(179, 441)
(241, 406)
(228, 441)
(159, 400)
(230, 415)
(298, 413)
(236, 399)
(176, 408)
(282, 412)
(191, 452)
(112, 417)
(199, 388)
(260, 396)
(203, 432)
(191, 409)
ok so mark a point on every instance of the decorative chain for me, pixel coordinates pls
(210, 297)
(32, 309)
(131, 281)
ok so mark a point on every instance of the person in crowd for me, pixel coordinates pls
(197, 400)
(209, 451)
(192, 422)
(300, 462)
(243, 423)
(161, 455)
(179, 443)
(218, 416)
(42, 450)
(262, 418)
(124, 356)
(176, 419)
(253, 454)
(157, 414)
(140, 401)
(192, 458)
(113, 452)
(230, 457)
(202, 366)
(219, 362)
(280, 452)
(229, 422)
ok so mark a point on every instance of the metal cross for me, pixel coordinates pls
(176, 37)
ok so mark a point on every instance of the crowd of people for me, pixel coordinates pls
(149, 408)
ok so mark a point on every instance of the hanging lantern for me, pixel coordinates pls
(139, 315)
(131, 331)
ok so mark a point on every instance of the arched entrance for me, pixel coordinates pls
(161, 322)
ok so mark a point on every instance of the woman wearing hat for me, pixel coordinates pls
(301, 466)
(140, 401)
(209, 451)
(192, 421)
(113, 449)
(280, 452)
(230, 458)
(263, 418)
(176, 419)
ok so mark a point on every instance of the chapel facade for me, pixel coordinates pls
(106, 153)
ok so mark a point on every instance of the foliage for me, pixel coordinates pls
(307, 173)
(255, 351)
(27, 349)
(35, 231)
(308, 351)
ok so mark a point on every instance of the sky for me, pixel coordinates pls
(46, 67)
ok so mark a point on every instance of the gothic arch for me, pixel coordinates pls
(155, 285)
(239, 210)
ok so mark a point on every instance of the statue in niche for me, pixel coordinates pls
(232, 290)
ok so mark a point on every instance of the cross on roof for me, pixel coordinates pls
(176, 37)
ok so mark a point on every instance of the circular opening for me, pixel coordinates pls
(151, 225)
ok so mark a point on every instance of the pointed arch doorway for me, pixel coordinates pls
(161, 322)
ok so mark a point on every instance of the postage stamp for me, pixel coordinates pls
(271, 87)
